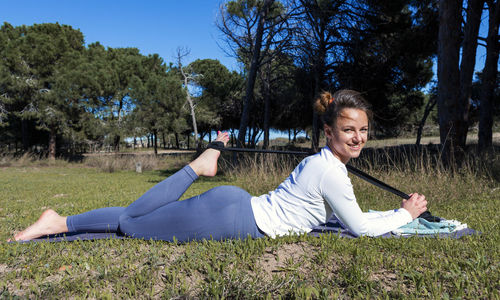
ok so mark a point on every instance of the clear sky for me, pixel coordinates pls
(152, 26)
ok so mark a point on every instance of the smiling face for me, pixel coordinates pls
(349, 135)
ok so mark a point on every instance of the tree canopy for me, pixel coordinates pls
(58, 94)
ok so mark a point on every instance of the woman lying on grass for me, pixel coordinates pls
(318, 186)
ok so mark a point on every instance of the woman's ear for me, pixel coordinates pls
(328, 132)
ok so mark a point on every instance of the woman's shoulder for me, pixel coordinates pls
(325, 159)
(321, 163)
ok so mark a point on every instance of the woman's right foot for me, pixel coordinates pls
(49, 222)
(206, 163)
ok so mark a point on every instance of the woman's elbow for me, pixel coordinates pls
(367, 232)
(360, 230)
(359, 227)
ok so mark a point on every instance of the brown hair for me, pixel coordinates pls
(330, 106)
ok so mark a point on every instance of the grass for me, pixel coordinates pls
(289, 267)
(472, 138)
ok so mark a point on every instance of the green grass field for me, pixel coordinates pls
(289, 267)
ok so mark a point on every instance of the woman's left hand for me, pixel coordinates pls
(416, 205)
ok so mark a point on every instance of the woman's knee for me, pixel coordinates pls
(224, 191)
(124, 223)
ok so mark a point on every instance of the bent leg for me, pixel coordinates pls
(221, 213)
(165, 192)
(107, 219)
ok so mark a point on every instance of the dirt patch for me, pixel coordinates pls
(289, 257)
(174, 253)
(12, 288)
(387, 279)
(3, 268)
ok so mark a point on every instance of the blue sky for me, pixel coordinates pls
(152, 26)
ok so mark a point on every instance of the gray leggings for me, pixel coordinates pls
(220, 213)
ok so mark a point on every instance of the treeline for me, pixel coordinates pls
(56, 94)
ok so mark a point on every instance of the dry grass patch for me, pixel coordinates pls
(131, 162)
(288, 257)
(387, 279)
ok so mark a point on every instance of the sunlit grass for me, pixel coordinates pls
(291, 267)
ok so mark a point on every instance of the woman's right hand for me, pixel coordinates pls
(415, 205)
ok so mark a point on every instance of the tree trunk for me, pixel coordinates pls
(489, 79)
(267, 113)
(252, 75)
(155, 141)
(193, 115)
(428, 108)
(453, 117)
(267, 105)
(52, 144)
(187, 78)
(177, 141)
(468, 59)
(249, 136)
(116, 143)
(319, 71)
(469, 47)
(25, 134)
(232, 138)
(253, 137)
(119, 121)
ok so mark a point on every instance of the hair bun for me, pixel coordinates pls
(322, 102)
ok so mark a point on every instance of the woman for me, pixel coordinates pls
(318, 187)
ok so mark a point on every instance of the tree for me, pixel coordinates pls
(429, 106)
(252, 28)
(280, 97)
(454, 82)
(389, 59)
(126, 68)
(159, 97)
(11, 86)
(188, 77)
(220, 93)
(36, 59)
(318, 38)
(489, 77)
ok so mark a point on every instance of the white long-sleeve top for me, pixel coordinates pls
(318, 186)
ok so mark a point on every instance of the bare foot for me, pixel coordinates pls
(49, 222)
(206, 163)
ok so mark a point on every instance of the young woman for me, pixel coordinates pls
(318, 187)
